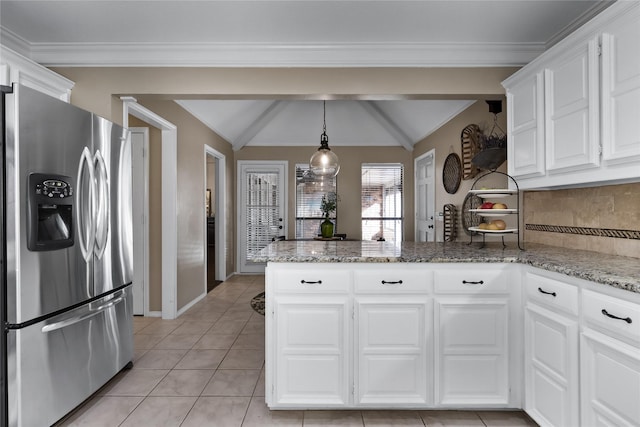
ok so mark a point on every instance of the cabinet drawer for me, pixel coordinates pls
(552, 292)
(471, 281)
(393, 280)
(617, 316)
(319, 280)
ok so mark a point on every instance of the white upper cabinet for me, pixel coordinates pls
(621, 89)
(15, 68)
(572, 111)
(525, 145)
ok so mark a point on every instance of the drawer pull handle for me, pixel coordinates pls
(626, 319)
(546, 293)
(399, 282)
(317, 282)
(481, 282)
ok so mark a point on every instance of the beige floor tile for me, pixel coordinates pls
(249, 341)
(236, 315)
(201, 359)
(227, 327)
(102, 411)
(161, 327)
(203, 316)
(135, 382)
(193, 328)
(243, 359)
(183, 382)
(160, 412)
(215, 341)
(258, 415)
(506, 418)
(175, 342)
(333, 418)
(232, 382)
(145, 342)
(392, 418)
(217, 412)
(159, 359)
(260, 386)
(451, 418)
(254, 326)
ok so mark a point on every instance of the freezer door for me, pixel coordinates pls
(44, 136)
(113, 249)
(56, 364)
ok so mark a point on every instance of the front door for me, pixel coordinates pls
(262, 208)
(425, 195)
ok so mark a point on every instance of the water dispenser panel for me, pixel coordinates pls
(50, 209)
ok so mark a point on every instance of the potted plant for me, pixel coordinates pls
(328, 205)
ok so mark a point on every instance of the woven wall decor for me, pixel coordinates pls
(470, 145)
(452, 173)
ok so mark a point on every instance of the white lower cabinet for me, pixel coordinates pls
(393, 358)
(472, 357)
(312, 356)
(610, 373)
(551, 368)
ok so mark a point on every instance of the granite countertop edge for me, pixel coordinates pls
(616, 271)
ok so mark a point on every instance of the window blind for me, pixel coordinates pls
(309, 192)
(382, 201)
(262, 210)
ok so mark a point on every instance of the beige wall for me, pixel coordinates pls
(447, 140)
(609, 207)
(348, 180)
(98, 90)
(192, 136)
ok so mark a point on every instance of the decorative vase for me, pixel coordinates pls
(326, 228)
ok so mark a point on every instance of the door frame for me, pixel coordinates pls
(241, 165)
(432, 196)
(141, 272)
(221, 221)
(169, 131)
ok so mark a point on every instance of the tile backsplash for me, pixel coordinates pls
(602, 219)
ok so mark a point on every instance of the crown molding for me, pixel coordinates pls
(14, 42)
(291, 55)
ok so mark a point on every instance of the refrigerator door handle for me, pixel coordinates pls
(88, 313)
(86, 230)
(102, 205)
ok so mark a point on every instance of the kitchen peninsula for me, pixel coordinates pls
(364, 324)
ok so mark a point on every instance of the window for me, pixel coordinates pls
(382, 204)
(309, 192)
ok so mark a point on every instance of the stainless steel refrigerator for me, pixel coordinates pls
(66, 256)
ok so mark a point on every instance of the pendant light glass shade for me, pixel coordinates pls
(324, 162)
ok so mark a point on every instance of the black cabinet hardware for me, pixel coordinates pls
(399, 282)
(625, 319)
(481, 282)
(318, 282)
(545, 292)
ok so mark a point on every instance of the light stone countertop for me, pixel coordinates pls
(617, 271)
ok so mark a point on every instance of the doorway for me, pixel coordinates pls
(214, 202)
(424, 167)
(140, 204)
(211, 190)
(262, 207)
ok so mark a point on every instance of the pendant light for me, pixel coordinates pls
(324, 162)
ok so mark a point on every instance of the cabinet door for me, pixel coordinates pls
(391, 340)
(311, 357)
(525, 127)
(571, 109)
(472, 360)
(621, 89)
(610, 381)
(551, 368)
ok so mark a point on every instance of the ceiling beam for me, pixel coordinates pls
(258, 124)
(388, 123)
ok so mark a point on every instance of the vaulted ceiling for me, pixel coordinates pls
(297, 33)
